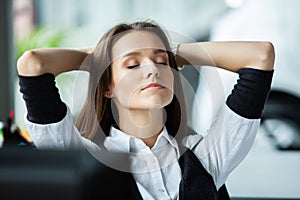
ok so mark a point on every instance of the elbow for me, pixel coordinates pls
(29, 64)
(267, 56)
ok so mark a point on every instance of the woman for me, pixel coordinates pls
(138, 105)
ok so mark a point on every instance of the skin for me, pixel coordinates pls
(231, 56)
(141, 111)
(137, 63)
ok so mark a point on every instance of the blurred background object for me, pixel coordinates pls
(11, 136)
(267, 171)
(281, 120)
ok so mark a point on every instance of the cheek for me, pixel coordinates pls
(125, 86)
(170, 85)
(168, 79)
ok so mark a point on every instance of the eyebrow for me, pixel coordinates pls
(136, 53)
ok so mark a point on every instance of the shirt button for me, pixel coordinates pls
(161, 190)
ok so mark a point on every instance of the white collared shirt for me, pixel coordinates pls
(156, 170)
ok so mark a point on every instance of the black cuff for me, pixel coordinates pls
(250, 93)
(42, 99)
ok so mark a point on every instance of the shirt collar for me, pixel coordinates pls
(128, 143)
(164, 137)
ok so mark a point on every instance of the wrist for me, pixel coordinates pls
(179, 56)
(194, 54)
(87, 50)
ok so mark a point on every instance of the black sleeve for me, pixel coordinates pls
(250, 93)
(42, 99)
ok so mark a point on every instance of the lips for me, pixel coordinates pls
(153, 86)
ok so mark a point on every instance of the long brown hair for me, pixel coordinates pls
(96, 115)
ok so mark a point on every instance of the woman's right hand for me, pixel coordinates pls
(51, 60)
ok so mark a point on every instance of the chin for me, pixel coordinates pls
(153, 103)
(149, 102)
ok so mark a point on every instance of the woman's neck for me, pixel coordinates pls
(143, 124)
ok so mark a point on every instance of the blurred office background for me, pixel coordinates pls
(272, 167)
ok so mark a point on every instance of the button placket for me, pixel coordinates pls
(159, 182)
(161, 190)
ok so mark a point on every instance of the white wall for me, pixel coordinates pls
(193, 17)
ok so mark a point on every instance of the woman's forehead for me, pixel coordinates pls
(134, 41)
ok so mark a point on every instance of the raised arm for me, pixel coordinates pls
(50, 60)
(232, 133)
(231, 56)
(48, 120)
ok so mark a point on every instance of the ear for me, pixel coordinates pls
(108, 94)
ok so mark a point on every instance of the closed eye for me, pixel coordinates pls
(132, 66)
(162, 63)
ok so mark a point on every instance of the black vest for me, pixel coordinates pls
(196, 183)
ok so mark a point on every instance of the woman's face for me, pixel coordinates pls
(142, 77)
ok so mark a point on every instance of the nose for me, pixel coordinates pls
(151, 70)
